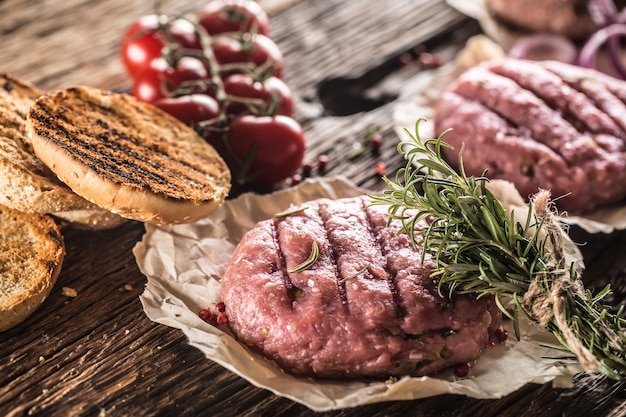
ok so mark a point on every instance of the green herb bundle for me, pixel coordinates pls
(481, 248)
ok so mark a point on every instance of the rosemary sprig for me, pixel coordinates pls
(482, 249)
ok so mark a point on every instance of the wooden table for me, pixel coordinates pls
(98, 353)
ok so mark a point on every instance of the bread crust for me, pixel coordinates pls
(26, 183)
(90, 219)
(33, 251)
(127, 157)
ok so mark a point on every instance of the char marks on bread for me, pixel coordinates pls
(367, 306)
(540, 124)
(32, 255)
(126, 156)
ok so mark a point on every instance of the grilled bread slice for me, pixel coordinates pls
(26, 184)
(32, 256)
(126, 156)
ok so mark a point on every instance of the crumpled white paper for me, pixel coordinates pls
(477, 9)
(184, 264)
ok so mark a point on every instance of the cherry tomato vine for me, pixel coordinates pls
(219, 71)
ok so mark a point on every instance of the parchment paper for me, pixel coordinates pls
(477, 9)
(184, 264)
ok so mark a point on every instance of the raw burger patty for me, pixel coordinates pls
(543, 125)
(366, 308)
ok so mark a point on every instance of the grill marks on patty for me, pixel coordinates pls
(317, 285)
(543, 107)
(581, 111)
(607, 93)
(364, 269)
(541, 124)
(360, 263)
(117, 150)
(366, 307)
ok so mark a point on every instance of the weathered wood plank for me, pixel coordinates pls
(97, 353)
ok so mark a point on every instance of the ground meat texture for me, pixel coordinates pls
(366, 308)
(540, 124)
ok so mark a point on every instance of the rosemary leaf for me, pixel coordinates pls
(290, 212)
(356, 274)
(309, 262)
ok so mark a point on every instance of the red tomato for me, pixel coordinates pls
(277, 142)
(137, 53)
(190, 109)
(145, 39)
(249, 48)
(159, 79)
(273, 91)
(220, 16)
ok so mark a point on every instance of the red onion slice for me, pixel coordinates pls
(608, 34)
(544, 46)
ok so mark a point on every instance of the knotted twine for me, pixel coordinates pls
(547, 304)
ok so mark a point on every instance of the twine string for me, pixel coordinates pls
(547, 306)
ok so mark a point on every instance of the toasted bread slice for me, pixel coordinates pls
(127, 157)
(26, 184)
(32, 256)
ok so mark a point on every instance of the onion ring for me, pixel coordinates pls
(543, 46)
(610, 35)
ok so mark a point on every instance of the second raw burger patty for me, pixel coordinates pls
(543, 125)
(367, 307)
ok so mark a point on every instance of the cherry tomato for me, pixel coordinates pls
(137, 53)
(145, 39)
(249, 48)
(222, 16)
(277, 142)
(190, 109)
(159, 79)
(273, 91)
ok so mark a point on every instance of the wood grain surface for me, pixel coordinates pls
(97, 354)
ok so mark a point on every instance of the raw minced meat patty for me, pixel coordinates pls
(541, 124)
(367, 307)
